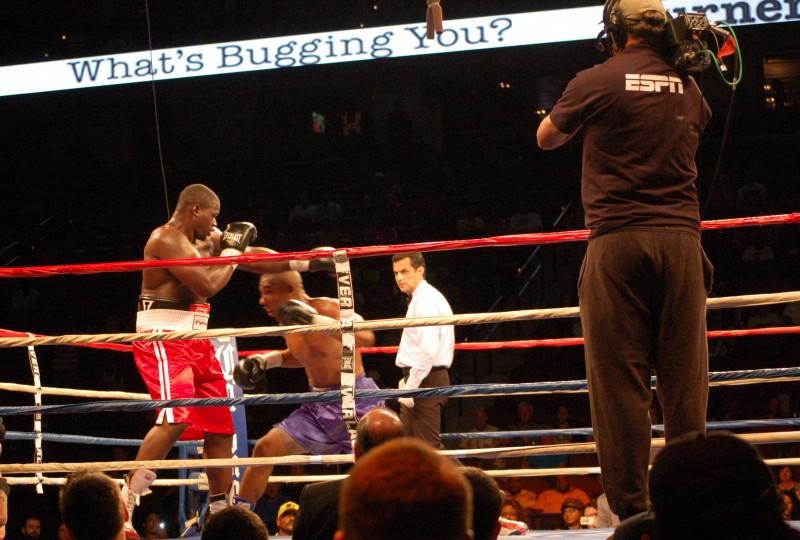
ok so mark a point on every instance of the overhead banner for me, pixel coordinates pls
(475, 34)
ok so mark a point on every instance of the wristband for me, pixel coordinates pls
(299, 265)
(230, 252)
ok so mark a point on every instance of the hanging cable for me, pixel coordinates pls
(733, 83)
(155, 107)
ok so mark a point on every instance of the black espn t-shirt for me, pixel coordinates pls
(642, 124)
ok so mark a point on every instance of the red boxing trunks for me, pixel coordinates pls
(181, 369)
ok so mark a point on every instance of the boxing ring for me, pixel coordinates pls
(125, 402)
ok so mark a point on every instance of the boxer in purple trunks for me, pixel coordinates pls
(315, 428)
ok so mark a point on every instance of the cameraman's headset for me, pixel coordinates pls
(613, 36)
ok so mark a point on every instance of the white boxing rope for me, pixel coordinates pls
(750, 300)
(777, 437)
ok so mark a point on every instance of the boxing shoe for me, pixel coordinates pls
(130, 532)
(136, 485)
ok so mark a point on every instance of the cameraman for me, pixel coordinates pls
(645, 278)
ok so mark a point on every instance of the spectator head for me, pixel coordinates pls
(511, 509)
(791, 505)
(487, 499)
(235, 522)
(706, 486)
(152, 523)
(403, 489)
(562, 483)
(31, 528)
(785, 474)
(91, 507)
(481, 418)
(514, 485)
(562, 414)
(525, 413)
(287, 514)
(571, 513)
(376, 427)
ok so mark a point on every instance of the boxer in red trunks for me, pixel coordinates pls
(174, 299)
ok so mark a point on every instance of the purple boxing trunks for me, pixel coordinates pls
(319, 428)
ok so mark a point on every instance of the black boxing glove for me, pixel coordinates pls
(325, 264)
(249, 374)
(237, 237)
(297, 312)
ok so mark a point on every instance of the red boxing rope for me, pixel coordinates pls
(368, 251)
(569, 342)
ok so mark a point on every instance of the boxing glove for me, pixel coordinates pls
(237, 237)
(297, 312)
(325, 264)
(249, 374)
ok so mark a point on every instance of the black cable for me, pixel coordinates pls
(155, 107)
(723, 143)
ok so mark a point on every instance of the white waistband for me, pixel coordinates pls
(169, 320)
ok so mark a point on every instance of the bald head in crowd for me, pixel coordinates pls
(376, 427)
(403, 489)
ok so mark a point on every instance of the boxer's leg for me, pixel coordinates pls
(275, 443)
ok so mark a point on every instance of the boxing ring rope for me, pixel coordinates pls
(370, 251)
(777, 437)
(143, 402)
(587, 431)
(724, 302)
(724, 378)
(295, 479)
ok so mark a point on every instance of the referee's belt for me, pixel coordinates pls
(407, 370)
(146, 303)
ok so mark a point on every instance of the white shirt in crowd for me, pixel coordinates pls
(426, 347)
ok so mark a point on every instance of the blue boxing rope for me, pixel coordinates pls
(728, 424)
(88, 439)
(464, 390)
(516, 434)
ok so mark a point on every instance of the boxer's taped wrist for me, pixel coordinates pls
(299, 265)
(230, 252)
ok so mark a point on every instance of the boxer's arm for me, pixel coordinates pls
(323, 264)
(364, 338)
(202, 281)
(264, 267)
(330, 308)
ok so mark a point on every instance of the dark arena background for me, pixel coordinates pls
(387, 150)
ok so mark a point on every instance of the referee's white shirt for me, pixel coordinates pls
(426, 347)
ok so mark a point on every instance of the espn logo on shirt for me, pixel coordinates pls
(635, 82)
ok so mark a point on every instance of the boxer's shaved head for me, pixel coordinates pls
(198, 194)
(286, 280)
